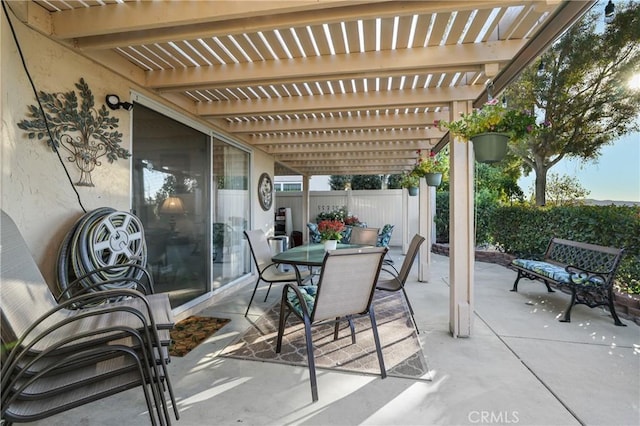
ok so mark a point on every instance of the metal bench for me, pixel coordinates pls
(586, 271)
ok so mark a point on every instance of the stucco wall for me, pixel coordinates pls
(35, 191)
(264, 220)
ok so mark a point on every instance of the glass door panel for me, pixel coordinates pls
(231, 213)
(171, 197)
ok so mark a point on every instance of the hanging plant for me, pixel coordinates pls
(492, 118)
(491, 128)
(433, 163)
(85, 132)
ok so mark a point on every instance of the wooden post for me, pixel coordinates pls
(461, 231)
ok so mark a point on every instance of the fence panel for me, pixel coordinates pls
(376, 208)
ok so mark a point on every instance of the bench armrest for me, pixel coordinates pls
(585, 277)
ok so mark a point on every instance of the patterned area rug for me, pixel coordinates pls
(401, 349)
(191, 331)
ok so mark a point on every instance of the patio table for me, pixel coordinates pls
(307, 254)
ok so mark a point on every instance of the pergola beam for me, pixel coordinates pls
(410, 98)
(436, 59)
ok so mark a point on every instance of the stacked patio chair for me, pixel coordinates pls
(59, 356)
(395, 280)
(345, 291)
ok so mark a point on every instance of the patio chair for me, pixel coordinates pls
(397, 279)
(345, 290)
(364, 236)
(57, 380)
(383, 241)
(43, 335)
(314, 234)
(267, 270)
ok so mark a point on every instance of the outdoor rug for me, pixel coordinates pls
(191, 331)
(401, 350)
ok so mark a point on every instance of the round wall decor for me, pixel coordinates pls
(265, 191)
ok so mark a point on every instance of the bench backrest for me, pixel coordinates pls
(591, 257)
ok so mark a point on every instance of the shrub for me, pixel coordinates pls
(525, 231)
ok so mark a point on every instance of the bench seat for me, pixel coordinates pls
(557, 273)
(586, 271)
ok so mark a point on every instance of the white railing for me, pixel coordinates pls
(374, 207)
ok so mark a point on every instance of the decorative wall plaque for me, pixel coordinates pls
(85, 132)
(265, 191)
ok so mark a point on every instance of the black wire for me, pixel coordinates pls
(44, 116)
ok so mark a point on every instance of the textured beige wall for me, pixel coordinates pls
(35, 191)
(261, 219)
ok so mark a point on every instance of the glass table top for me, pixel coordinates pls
(307, 254)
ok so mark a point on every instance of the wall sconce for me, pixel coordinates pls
(113, 102)
(609, 12)
(172, 206)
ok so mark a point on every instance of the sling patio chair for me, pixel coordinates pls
(345, 291)
(267, 270)
(36, 387)
(364, 236)
(38, 331)
(394, 280)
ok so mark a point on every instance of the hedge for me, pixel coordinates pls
(525, 231)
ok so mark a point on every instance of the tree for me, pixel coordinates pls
(394, 182)
(582, 93)
(366, 182)
(564, 190)
(339, 182)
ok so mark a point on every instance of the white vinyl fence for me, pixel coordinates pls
(374, 207)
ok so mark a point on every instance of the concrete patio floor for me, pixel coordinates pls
(520, 366)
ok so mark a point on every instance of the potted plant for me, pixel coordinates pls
(431, 167)
(490, 128)
(330, 232)
(410, 181)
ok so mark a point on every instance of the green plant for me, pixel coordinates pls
(492, 117)
(434, 163)
(352, 220)
(338, 214)
(331, 230)
(409, 180)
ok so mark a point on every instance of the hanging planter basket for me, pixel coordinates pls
(413, 191)
(490, 147)
(433, 179)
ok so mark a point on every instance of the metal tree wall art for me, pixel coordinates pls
(85, 132)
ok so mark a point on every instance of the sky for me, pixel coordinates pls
(615, 176)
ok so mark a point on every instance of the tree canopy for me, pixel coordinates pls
(580, 93)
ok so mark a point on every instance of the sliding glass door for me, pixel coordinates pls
(191, 192)
(231, 212)
(171, 195)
